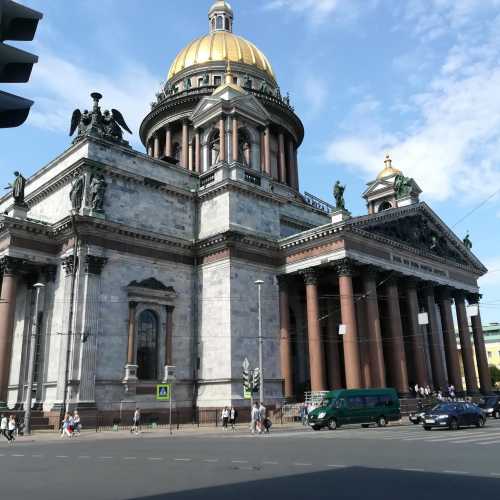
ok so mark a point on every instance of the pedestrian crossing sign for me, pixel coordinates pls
(163, 392)
(247, 393)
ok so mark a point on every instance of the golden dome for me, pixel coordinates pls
(388, 170)
(220, 46)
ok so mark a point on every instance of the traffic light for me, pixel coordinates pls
(18, 23)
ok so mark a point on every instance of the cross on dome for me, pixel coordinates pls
(221, 17)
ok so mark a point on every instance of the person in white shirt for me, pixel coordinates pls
(255, 417)
(225, 418)
(3, 426)
(11, 429)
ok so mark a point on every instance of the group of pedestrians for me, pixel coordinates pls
(425, 392)
(8, 427)
(71, 425)
(229, 417)
(259, 421)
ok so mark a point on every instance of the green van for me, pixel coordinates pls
(356, 406)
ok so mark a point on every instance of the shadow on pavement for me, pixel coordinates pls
(350, 483)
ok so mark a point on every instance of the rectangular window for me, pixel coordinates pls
(355, 402)
(489, 354)
(217, 80)
(200, 82)
(235, 80)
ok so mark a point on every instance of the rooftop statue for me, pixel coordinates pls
(403, 186)
(338, 193)
(18, 189)
(107, 125)
(467, 241)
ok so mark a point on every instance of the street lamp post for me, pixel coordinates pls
(31, 362)
(259, 284)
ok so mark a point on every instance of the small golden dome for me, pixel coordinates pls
(388, 170)
(220, 46)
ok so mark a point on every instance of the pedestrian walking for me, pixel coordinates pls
(66, 427)
(77, 424)
(427, 391)
(225, 418)
(4, 422)
(303, 414)
(422, 391)
(136, 421)
(451, 391)
(255, 418)
(263, 417)
(11, 429)
(233, 415)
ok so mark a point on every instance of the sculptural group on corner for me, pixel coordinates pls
(107, 125)
(96, 192)
(403, 186)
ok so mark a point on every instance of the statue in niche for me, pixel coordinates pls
(247, 84)
(467, 241)
(338, 193)
(287, 99)
(186, 83)
(76, 193)
(18, 189)
(97, 192)
(206, 80)
(403, 186)
(263, 87)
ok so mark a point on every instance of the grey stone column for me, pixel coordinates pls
(89, 334)
(68, 265)
(480, 349)
(436, 342)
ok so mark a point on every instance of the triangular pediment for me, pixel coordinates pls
(418, 227)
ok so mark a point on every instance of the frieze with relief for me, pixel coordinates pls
(418, 232)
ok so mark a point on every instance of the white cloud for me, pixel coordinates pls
(319, 11)
(492, 278)
(452, 146)
(59, 86)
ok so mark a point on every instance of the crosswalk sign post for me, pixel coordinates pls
(163, 392)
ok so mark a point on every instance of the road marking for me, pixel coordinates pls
(129, 458)
(62, 456)
(333, 466)
(155, 459)
(211, 460)
(490, 442)
(37, 456)
(496, 474)
(269, 463)
(17, 455)
(182, 459)
(239, 461)
(412, 469)
(455, 472)
(83, 456)
(298, 464)
(105, 458)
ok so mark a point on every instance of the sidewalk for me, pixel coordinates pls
(184, 431)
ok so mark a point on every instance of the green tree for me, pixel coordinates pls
(495, 374)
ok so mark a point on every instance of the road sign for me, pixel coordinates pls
(247, 393)
(163, 392)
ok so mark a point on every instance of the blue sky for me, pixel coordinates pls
(419, 79)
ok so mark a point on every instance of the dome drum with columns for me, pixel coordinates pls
(266, 143)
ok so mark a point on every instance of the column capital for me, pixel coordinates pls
(344, 267)
(282, 280)
(69, 264)
(310, 276)
(474, 298)
(369, 272)
(94, 264)
(459, 295)
(444, 293)
(132, 304)
(11, 266)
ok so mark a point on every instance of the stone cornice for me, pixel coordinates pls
(312, 235)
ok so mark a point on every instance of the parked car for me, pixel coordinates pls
(491, 406)
(453, 416)
(417, 417)
(356, 406)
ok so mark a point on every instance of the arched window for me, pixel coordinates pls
(147, 346)
(384, 206)
(228, 28)
(220, 23)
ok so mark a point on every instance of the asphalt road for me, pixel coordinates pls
(350, 463)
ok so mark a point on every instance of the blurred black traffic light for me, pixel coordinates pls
(18, 23)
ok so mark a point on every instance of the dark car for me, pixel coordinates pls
(453, 416)
(491, 406)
